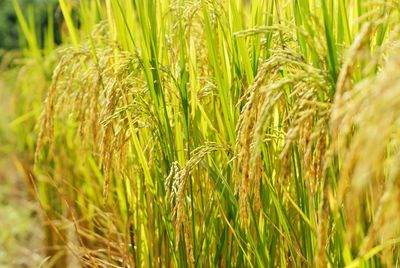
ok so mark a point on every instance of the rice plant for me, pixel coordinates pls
(220, 133)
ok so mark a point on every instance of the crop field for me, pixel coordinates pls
(201, 133)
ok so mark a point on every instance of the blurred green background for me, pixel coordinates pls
(21, 236)
(36, 9)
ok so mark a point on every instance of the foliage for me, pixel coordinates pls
(222, 134)
(9, 29)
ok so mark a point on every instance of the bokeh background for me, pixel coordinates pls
(21, 232)
(9, 29)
